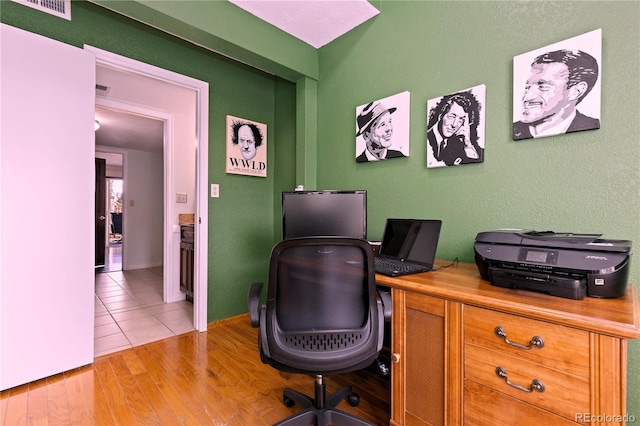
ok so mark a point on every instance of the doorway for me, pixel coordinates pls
(112, 209)
(167, 82)
(130, 307)
(115, 210)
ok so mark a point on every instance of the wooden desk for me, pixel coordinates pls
(446, 353)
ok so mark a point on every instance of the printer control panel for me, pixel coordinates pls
(537, 255)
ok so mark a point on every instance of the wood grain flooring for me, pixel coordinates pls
(213, 378)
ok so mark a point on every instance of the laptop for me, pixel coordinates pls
(408, 246)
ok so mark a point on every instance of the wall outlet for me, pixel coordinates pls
(215, 190)
(181, 197)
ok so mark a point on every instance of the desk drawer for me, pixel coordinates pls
(563, 348)
(559, 392)
(486, 407)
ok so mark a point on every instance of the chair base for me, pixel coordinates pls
(320, 411)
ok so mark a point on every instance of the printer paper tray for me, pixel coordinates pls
(569, 288)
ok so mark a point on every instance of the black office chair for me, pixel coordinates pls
(321, 316)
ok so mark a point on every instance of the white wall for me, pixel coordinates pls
(144, 210)
(113, 171)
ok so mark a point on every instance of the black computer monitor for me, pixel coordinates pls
(324, 213)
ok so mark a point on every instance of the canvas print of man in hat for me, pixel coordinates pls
(382, 129)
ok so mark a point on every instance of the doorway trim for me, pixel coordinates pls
(201, 89)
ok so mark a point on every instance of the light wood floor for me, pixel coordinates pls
(213, 378)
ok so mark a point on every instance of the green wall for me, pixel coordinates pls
(241, 221)
(582, 182)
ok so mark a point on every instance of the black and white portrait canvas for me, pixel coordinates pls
(246, 147)
(455, 128)
(382, 129)
(556, 89)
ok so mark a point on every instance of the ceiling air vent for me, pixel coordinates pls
(60, 8)
(102, 90)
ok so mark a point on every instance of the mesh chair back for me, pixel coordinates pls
(321, 310)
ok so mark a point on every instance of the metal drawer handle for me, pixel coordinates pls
(536, 385)
(536, 341)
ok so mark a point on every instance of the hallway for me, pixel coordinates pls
(129, 310)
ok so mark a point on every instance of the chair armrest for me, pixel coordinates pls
(385, 297)
(253, 303)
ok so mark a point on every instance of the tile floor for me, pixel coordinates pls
(129, 310)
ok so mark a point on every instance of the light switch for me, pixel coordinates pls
(215, 190)
(181, 197)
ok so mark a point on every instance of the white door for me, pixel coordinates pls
(47, 91)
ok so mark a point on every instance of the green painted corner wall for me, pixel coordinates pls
(582, 182)
(241, 221)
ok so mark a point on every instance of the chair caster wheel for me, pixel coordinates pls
(353, 399)
(288, 401)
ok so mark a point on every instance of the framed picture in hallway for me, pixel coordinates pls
(246, 147)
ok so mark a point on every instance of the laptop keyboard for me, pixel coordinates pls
(384, 265)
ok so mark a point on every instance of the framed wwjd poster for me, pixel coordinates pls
(246, 147)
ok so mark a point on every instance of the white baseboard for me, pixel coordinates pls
(130, 267)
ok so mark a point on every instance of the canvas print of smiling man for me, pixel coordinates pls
(556, 89)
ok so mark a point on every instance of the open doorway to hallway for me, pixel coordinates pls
(130, 307)
(129, 303)
(182, 103)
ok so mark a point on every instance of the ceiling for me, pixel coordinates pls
(316, 22)
(119, 129)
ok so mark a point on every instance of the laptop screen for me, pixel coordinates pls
(413, 240)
